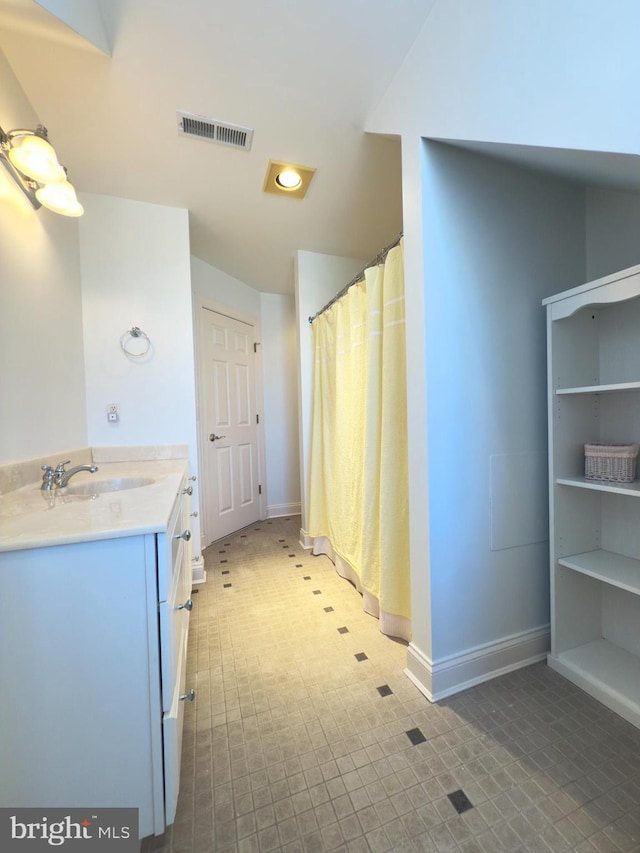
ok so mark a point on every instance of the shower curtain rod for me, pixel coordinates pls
(377, 260)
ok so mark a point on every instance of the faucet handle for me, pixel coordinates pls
(60, 467)
(48, 478)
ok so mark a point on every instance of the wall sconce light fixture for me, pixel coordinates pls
(32, 162)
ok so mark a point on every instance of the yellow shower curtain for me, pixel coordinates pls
(358, 503)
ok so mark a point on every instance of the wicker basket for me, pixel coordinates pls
(610, 461)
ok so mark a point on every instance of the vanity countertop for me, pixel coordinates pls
(32, 518)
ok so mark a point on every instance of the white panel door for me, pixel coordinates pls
(230, 432)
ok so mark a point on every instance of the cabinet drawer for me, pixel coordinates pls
(173, 548)
(172, 724)
(173, 634)
(174, 626)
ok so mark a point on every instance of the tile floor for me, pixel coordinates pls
(306, 736)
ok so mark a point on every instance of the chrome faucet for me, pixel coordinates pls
(59, 478)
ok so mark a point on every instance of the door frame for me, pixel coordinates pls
(203, 304)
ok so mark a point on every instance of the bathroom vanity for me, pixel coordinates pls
(94, 614)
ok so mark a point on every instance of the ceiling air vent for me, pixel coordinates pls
(215, 131)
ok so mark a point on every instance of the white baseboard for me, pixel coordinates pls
(278, 510)
(449, 675)
(305, 540)
(198, 574)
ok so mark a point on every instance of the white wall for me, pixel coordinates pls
(135, 272)
(613, 231)
(84, 17)
(42, 396)
(318, 278)
(535, 74)
(544, 73)
(413, 169)
(497, 240)
(211, 283)
(280, 387)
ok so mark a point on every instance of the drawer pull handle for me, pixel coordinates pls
(186, 535)
(188, 605)
(190, 696)
(188, 490)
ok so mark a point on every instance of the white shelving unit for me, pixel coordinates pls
(594, 395)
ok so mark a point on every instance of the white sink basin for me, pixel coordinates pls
(98, 487)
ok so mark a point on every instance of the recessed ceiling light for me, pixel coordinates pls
(287, 179)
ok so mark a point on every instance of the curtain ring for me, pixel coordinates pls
(134, 332)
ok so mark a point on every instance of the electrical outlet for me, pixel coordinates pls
(113, 413)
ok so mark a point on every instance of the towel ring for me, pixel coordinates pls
(134, 332)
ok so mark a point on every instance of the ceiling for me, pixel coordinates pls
(610, 170)
(302, 75)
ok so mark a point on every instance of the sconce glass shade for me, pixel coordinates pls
(36, 158)
(61, 198)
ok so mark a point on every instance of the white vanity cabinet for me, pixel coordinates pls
(174, 597)
(93, 639)
(594, 395)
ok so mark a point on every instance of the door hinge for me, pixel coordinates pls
(257, 419)
(259, 490)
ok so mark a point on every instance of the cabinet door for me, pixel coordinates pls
(79, 721)
(173, 722)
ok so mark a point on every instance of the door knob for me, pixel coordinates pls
(214, 437)
(186, 535)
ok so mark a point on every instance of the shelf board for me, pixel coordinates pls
(607, 672)
(607, 566)
(600, 389)
(631, 489)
